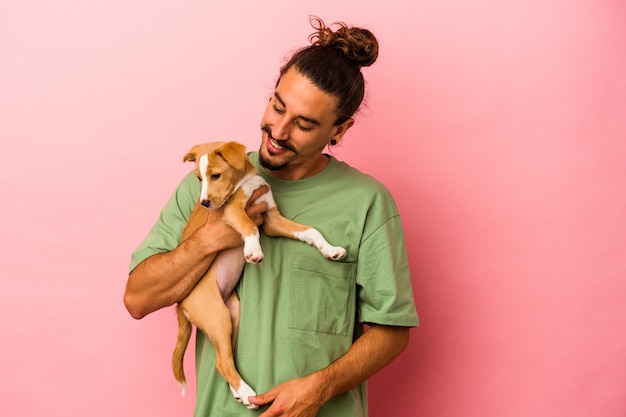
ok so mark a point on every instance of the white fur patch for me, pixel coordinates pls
(252, 248)
(250, 183)
(242, 395)
(203, 165)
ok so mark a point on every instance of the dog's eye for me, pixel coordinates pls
(215, 176)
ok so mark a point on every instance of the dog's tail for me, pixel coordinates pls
(184, 333)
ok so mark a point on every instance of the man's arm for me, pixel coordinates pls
(166, 278)
(303, 397)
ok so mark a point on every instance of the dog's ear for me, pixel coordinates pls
(191, 155)
(235, 154)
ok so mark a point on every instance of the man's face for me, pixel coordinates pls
(297, 125)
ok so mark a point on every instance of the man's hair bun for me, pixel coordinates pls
(358, 45)
(333, 62)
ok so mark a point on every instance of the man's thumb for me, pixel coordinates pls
(261, 399)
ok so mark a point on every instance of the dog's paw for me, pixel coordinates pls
(254, 257)
(334, 253)
(252, 250)
(243, 394)
(314, 238)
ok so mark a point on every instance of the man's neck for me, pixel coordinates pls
(301, 171)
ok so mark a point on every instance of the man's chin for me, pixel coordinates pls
(269, 164)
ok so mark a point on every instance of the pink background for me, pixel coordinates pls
(499, 126)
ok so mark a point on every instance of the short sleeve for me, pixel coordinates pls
(166, 233)
(385, 291)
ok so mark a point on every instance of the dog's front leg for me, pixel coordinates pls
(275, 224)
(236, 217)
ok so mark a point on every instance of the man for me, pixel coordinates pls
(301, 340)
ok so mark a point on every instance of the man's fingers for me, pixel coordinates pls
(258, 193)
(255, 210)
(262, 399)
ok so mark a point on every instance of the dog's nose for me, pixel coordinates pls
(206, 203)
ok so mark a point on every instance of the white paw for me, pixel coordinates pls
(314, 238)
(242, 395)
(334, 253)
(254, 256)
(252, 250)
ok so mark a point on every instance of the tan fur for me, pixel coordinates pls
(205, 306)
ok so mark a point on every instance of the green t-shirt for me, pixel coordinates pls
(299, 311)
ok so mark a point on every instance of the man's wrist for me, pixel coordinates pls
(322, 380)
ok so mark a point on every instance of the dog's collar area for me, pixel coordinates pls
(243, 181)
(251, 182)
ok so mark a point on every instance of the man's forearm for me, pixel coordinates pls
(368, 355)
(371, 352)
(166, 278)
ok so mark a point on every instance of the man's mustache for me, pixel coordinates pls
(283, 143)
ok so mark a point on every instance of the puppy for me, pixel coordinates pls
(228, 179)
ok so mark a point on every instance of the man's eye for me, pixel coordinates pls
(303, 128)
(215, 177)
(279, 111)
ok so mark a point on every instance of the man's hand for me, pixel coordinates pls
(255, 210)
(214, 230)
(300, 397)
(303, 397)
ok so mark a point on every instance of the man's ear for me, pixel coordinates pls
(234, 153)
(192, 154)
(342, 129)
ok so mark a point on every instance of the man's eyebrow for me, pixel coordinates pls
(279, 98)
(305, 118)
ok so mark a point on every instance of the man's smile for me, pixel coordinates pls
(275, 146)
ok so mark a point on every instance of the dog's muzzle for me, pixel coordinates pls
(206, 203)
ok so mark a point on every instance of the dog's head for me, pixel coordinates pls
(219, 167)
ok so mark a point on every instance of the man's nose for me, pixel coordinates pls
(280, 130)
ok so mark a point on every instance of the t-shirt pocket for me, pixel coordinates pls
(321, 295)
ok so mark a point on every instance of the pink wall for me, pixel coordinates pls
(499, 127)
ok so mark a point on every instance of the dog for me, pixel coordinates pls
(228, 178)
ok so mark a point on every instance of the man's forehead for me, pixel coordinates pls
(298, 94)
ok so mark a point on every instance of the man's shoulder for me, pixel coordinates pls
(189, 187)
(360, 179)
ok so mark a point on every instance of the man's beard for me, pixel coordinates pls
(265, 162)
(269, 165)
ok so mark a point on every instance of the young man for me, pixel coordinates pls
(301, 340)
